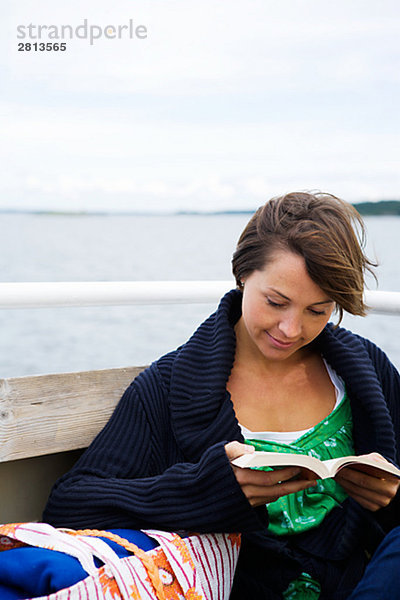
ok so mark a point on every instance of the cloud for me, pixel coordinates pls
(222, 104)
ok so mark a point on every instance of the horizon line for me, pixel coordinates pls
(172, 212)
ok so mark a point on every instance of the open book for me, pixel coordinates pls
(322, 468)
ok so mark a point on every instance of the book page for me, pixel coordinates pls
(322, 469)
(279, 459)
(367, 464)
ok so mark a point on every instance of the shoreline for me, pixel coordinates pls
(379, 208)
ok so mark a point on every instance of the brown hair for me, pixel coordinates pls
(326, 231)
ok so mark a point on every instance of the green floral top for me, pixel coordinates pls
(295, 513)
(303, 510)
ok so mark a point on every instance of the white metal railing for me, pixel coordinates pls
(118, 293)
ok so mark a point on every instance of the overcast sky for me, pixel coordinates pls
(224, 104)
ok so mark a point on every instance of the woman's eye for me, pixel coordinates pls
(317, 312)
(271, 303)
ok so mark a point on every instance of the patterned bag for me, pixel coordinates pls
(198, 567)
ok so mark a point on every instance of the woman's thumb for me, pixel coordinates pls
(235, 449)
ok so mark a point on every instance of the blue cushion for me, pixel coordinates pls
(28, 572)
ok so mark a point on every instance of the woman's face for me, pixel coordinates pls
(283, 310)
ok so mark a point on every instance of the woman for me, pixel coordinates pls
(266, 367)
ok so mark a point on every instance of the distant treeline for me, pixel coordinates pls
(383, 207)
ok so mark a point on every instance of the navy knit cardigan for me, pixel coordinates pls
(160, 460)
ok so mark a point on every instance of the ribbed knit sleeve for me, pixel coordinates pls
(134, 475)
(389, 377)
(390, 381)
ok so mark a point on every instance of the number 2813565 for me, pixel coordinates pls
(42, 47)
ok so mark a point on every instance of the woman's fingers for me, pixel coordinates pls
(368, 490)
(257, 495)
(265, 478)
(262, 487)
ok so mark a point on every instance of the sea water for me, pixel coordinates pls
(53, 247)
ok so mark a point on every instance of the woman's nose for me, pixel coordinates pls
(291, 326)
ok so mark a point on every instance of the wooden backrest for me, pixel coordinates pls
(45, 422)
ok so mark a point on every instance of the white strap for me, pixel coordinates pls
(84, 548)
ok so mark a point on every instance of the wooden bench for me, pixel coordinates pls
(45, 423)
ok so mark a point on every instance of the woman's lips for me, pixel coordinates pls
(279, 343)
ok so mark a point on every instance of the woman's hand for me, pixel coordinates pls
(262, 487)
(372, 490)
